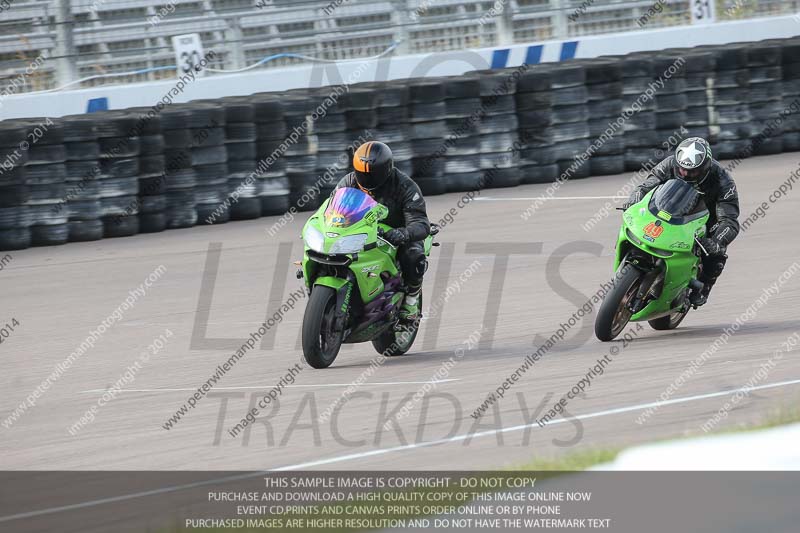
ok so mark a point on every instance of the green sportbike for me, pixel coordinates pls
(354, 278)
(658, 260)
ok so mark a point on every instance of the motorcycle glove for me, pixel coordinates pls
(713, 246)
(635, 198)
(397, 237)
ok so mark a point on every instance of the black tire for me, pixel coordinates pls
(246, 209)
(45, 154)
(13, 195)
(82, 150)
(240, 132)
(494, 124)
(386, 115)
(319, 352)
(120, 226)
(610, 320)
(605, 91)
(208, 155)
(151, 144)
(670, 120)
(610, 108)
(539, 173)
(274, 204)
(431, 186)
(607, 165)
(241, 151)
(49, 235)
(466, 181)
(85, 230)
(45, 174)
(152, 222)
(670, 321)
(15, 239)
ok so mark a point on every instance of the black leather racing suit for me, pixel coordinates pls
(406, 210)
(722, 200)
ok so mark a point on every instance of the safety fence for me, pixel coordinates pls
(144, 170)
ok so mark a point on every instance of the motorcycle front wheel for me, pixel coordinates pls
(321, 342)
(614, 315)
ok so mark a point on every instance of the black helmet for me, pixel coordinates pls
(373, 164)
(693, 159)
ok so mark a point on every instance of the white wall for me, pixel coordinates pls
(69, 102)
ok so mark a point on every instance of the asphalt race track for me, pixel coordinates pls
(58, 295)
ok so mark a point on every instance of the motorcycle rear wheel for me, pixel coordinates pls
(614, 315)
(398, 340)
(321, 343)
(671, 321)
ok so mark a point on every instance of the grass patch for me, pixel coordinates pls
(571, 462)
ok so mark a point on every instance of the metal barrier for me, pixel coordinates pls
(89, 37)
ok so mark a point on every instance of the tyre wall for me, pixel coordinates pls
(146, 170)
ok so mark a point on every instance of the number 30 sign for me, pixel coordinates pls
(188, 52)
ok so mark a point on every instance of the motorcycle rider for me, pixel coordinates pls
(375, 174)
(694, 164)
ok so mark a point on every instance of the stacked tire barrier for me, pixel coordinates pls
(333, 140)
(143, 170)
(82, 196)
(118, 180)
(732, 121)
(765, 95)
(273, 183)
(639, 131)
(225, 143)
(443, 161)
(604, 93)
(45, 175)
(426, 129)
(15, 219)
(533, 99)
(790, 89)
(499, 132)
(151, 200)
(301, 151)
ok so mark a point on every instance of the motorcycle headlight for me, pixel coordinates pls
(349, 245)
(314, 239)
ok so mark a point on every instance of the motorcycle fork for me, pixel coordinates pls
(648, 281)
(344, 303)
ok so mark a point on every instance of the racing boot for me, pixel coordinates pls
(409, 311)
(699, 298)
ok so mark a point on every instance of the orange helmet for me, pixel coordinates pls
(373, 164)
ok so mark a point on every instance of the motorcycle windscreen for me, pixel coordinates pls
(677, 198)
(348, 207)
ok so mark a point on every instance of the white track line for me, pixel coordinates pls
(383, 451)
(517, 199)
(264, 387)
(487, 433)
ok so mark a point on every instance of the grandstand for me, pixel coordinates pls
(85, 38)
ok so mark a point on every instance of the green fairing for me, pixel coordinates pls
(378, 259)
(675, 245)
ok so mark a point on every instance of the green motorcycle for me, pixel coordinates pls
(658, 259)
(354, 278)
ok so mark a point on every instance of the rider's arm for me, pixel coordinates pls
(727, 207)
(658, 175)
(415, 213)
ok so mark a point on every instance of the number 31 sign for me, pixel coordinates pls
(188, 52)
(702, 11)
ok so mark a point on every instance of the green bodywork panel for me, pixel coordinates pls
(673, 243)
(367, 265)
